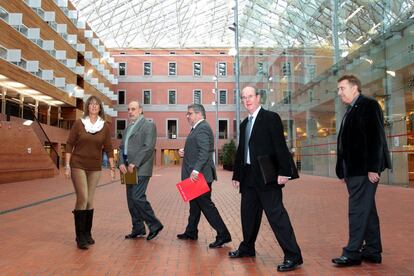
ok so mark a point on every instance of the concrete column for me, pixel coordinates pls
(3, 100)
(48, 114)
(21, 106)
(311, 127)
(37, 109)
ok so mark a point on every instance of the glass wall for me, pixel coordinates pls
(374, 42)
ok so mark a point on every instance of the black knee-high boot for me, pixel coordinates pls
(88, 226)
(80, 219)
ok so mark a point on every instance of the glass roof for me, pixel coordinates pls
(262, 23)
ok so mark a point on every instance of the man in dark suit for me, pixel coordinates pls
(262, 134)
(197, 153)
(137, 150)
(362, 155)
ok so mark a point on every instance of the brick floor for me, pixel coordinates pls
(38, 239)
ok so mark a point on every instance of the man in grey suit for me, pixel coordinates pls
(137, 150)
(197, 153)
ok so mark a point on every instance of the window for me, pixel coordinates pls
(122, 68)
(147, 69)
(172, 129)
(222, 69)
(147, 53)
(260, 68)
(263, 96)
(222, 96)
(310, 71)
(197, 69)
(172, 53)
(146, 97)
(197, 53)
(197, 96)
(120, 128)
(285, 69)
(223, 129)
(172, 68)
(172, 97)
(287, 95)
(121, 96)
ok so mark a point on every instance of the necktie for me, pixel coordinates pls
(247, 138)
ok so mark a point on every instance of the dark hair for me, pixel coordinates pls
(352, 80)
(86, 107)
(198, 108)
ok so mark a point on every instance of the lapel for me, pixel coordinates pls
(136, 127)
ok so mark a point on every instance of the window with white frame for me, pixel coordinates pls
(285, 68)
(263, 96)
(197, 96)
(122, 70)
(146, 94)
(147, 69)
(260, 68)
(172, 68)
(222, 69)
(287, 97)
(223, 129)
(172, 129)
(172, 97)
(121, 96)
(223, 96)
(120, 128)
(197, 69)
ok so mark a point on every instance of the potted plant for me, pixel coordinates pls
(228, 155)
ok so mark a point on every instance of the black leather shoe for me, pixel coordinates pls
(152, 235)
(135, 235)
(239, 254)
(289, 265)
(375, 259)
(185, 236)
(219, 243)
(345, 261)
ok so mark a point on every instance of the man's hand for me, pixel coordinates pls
(123, 168)
(235, 183)
(181, 153)
(131, 168)
(194, 176)
(281, 180)
(373, 177)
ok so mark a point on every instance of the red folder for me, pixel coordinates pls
(190, 190)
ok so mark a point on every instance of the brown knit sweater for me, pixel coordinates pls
(86, 148)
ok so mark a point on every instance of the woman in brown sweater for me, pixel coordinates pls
(87, 138)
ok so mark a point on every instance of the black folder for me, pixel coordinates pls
(268, 168)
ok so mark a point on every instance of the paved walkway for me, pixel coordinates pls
(37, 232)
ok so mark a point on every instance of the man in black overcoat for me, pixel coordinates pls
(261, 135)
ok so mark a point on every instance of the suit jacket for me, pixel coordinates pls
(198, 153)
(266, 138)
(141, 146)
(362, 145)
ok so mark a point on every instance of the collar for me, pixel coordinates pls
(254, 115)
(90, 127)
(196, 124)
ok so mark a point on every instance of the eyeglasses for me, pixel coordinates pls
(245, 98)
(190, 113)
(96, 104)
(132, 109)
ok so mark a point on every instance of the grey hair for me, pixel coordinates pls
(198, 108)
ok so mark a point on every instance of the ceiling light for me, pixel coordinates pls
(391, 73)
(359, 38)
(28, 122)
